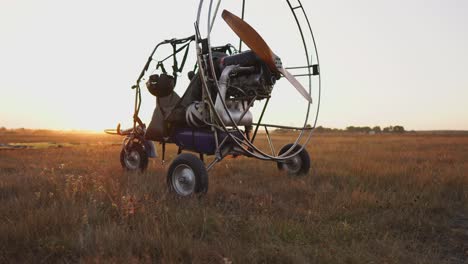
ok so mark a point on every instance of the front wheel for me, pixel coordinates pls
(134, 158)
(187, 175)
(298, 165)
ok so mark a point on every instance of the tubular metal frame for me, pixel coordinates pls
(137, 106)
(246, 144)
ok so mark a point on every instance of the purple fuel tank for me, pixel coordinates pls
(196, 140)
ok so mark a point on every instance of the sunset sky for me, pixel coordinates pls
(70, 64)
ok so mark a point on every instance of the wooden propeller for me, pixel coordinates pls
(258, 45)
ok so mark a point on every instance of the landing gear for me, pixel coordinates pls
(134, 157)
(298, 165)
(187, 175)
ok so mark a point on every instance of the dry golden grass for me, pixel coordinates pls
(368, 199)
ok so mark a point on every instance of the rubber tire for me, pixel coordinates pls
(305, 160)
(198, 167)
(143, 158)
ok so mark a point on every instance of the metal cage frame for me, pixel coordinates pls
(245, 144)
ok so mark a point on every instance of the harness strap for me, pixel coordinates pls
(161, 65)
(175, 65)
(185, 58)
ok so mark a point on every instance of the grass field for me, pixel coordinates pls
(367, 199)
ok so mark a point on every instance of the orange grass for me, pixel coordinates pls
(367, 199)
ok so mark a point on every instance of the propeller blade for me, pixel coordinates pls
(251, 38)
(258, 45)
(296, 84)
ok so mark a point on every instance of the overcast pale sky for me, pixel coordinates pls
(69, 64)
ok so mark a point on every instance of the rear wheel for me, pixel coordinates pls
(187, 175)
(298, 165)
(134, 158)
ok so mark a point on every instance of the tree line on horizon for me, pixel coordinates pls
(320, 129)
(355, 129)
(365, 129)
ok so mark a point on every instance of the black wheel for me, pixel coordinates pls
(187, 175)
(134, 158)
(298, 165)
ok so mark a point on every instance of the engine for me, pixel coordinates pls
(242, 78)
(251, 79)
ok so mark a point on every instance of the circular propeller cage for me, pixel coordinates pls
(207, 68)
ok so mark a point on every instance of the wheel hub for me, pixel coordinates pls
(132, 159)
(183, 180)
(294, 164)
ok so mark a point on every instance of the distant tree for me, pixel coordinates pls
(3, 129)
(377, 129)
(354, 129)
(320, 129)
(366, 129)
(394, 129)
(398, 129)
(351, 129)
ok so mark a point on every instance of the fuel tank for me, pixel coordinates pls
(199, 141)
